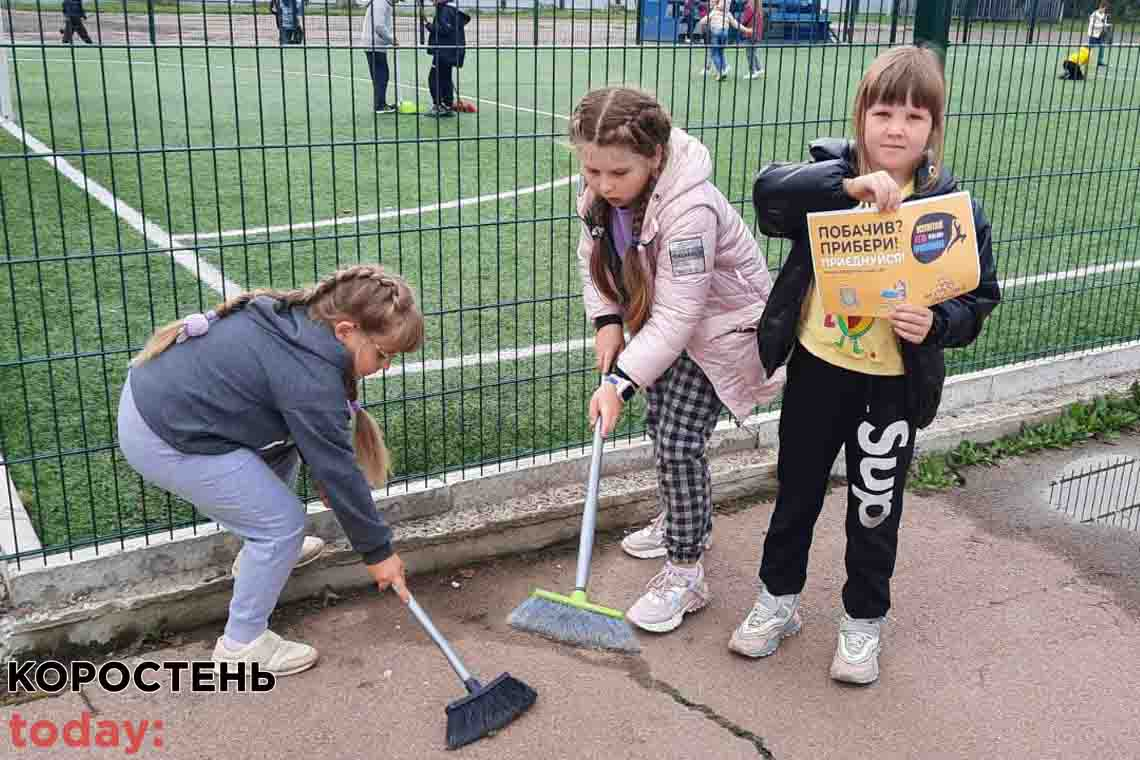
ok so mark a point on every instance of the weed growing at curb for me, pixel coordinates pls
(1103, 418)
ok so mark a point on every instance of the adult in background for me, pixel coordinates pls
(376, 36)
(73, 15)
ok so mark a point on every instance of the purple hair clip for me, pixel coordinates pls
(354, 407)
(194, 325)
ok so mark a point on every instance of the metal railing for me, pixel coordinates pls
(138, 181)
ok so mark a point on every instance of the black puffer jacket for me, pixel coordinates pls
(783, 195)
(74, 9)
(447, 38)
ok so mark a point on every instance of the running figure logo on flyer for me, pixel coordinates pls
(934, 235)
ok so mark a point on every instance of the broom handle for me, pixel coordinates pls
(440, 641)
(590, 513)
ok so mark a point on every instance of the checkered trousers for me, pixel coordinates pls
(683, 410)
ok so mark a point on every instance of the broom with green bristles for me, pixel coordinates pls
(575, 619)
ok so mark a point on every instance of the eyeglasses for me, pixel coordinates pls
(381, 354)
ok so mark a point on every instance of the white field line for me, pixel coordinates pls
(185, 257)
(505, 355)
(1072, 274)
(489, 357)
(530, 352)
(318, 74)
(341, 220)
(338, 221)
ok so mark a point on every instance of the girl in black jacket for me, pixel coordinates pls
(862, 383)
(447, 46)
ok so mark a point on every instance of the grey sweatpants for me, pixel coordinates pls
(244, 494)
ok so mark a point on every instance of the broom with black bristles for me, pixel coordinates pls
(575, 619)
(486, 708)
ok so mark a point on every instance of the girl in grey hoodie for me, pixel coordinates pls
(219, 409)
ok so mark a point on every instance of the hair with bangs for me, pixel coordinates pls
(902, 75)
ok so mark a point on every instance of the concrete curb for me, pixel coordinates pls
(179, 582)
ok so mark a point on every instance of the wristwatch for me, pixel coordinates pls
(623, 385)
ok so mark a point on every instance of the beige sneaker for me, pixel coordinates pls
(311, 548)
(649, 542)
(857, 653)
(670, 596)
(771, 619)
(271, 653)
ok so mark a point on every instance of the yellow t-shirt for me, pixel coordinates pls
(860, 344)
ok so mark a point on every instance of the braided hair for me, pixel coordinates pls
(382, 303)
(623, 116)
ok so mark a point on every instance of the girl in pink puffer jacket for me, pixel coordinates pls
(663, 253)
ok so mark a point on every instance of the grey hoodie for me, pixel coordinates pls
(262, 378)
(376, 29)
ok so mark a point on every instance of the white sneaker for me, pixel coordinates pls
(756, 74)
(649, 542)
(271, 653)
(771, 619)
(311, 548)
(857, 653)
(670, 595)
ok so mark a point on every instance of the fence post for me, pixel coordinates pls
(894, 20)
(150, 19)
(932, 25)
(5, 82)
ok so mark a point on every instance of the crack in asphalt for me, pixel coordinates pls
(645, 680)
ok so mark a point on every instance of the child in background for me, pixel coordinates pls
(663, 253)
(872, 398)
(719, 21)
(753, 16)
(447, 46)
(219, 409)
(73, 15)
(376, 37)
(1075, 64)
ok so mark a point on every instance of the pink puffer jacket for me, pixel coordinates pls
(711, 284)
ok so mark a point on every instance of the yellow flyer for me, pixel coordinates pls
(866, 263)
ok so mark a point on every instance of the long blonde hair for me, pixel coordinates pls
(632, 119)
(382, 303)
(900, 75)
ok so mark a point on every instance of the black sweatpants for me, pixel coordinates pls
(378, 70)
(73, 25)
(441, 82)
(826, 407)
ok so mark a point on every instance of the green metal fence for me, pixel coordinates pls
(187, 151)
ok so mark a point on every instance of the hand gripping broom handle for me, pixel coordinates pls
(441, 642)
(590, 512)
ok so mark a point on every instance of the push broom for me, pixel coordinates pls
(574, 619)
(486, 708)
